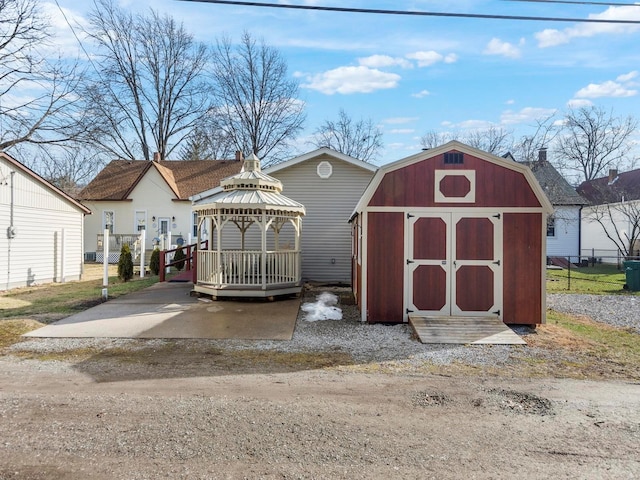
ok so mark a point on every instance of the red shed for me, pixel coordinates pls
(451, 231)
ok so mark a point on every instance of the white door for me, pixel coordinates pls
(454, 264)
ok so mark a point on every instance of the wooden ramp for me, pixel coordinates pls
(463, 330)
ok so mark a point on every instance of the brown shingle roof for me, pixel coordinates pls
(612, 189)
(185, 178)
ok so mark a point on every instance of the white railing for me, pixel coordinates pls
(245, 268)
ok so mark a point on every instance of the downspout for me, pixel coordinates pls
(11, 231)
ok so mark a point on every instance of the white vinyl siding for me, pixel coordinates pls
(47, 246)
(566, 240)
(329, 202)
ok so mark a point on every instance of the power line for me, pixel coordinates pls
(578, 2)
(415, 13)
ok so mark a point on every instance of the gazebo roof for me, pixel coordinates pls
(251, 189)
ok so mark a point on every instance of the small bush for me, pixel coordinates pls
(125, 264)
(154, 262)
(179, 257)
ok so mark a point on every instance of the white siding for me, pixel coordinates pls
(326, 233)
(594, 238)
(48, 242)
(566, 241)
(153, 196)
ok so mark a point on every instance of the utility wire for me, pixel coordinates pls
(578, 2)
(415, 13)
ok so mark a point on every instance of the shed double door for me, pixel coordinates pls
(454, 264)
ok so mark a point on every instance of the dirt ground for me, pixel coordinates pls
(59, 421)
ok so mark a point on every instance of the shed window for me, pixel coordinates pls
(451, 158)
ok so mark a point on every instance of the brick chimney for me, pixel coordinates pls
(613, 174)
(542, 155)
(239, 156)
(156, 157)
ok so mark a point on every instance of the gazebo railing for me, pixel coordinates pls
(244, 268)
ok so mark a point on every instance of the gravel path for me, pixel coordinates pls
(616, 310)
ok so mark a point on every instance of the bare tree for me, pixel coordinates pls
(37, 95)
(70, 169)
(494, 140)
(620, 222)
(257, 100)
(208, 141)
(592, 140)
(149, 94)
(359, 139)
(528, 147)
(433, 138)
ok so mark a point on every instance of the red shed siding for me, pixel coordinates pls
(385, 267)
(522, 268)
(413, 185)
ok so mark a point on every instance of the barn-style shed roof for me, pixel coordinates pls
(452, 146)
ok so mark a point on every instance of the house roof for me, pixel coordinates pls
(27, 171)
(554, 185)
(460, 147)
(184, 177)
(613, 188)
(318, 152)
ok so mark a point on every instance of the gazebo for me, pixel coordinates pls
(253, 249)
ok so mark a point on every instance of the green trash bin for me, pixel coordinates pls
(632, 271)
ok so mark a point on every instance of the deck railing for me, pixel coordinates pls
(245, 268)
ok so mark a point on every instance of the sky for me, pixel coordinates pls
(415, 74)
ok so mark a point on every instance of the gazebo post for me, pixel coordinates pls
(263, 258)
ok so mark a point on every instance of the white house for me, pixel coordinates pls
(563, 226)
(329, 185)
(130, 196)
(41, 238)
(611, 223)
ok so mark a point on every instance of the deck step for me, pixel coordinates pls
(463, 330)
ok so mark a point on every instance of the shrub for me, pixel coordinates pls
(125, 264)
(154, 262)
(179, 257)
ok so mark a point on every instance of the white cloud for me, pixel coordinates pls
(475, 124)
(579, 103)
(400, 120)
(63, 41)
(551, 37)
(382, 61)
(608, 89)
(505, 49)
(402, 131)
(510, 101)
(347, 80)
(525, 115)
(421, 94)
(426, 59)
(627, 77)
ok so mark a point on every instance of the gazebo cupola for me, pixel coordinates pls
(254, 247)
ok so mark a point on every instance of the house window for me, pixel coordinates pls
(141, 221)
(324, 169)
(551, 226)
(453, 158)
(195, 225)
(108, 220)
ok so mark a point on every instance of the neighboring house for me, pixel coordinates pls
(451, 231)
(127, 197)
(329, 185)
(563, 226)
(613, 211)
(41, 238)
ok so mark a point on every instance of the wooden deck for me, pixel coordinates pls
(463, 330)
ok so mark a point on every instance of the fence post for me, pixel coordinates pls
(569, 275)
(163, 260)
(188, 257)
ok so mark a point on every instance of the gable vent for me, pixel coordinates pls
(325, 169)
(453, 158)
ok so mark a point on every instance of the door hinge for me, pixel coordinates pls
(410, 261)
(409, 311)
(497, 216)
(410, 216)
(497, 262)
(497, 312)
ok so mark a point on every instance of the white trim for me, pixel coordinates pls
(324, 169)
(440, 175)
(316, 153)
(363, 271)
